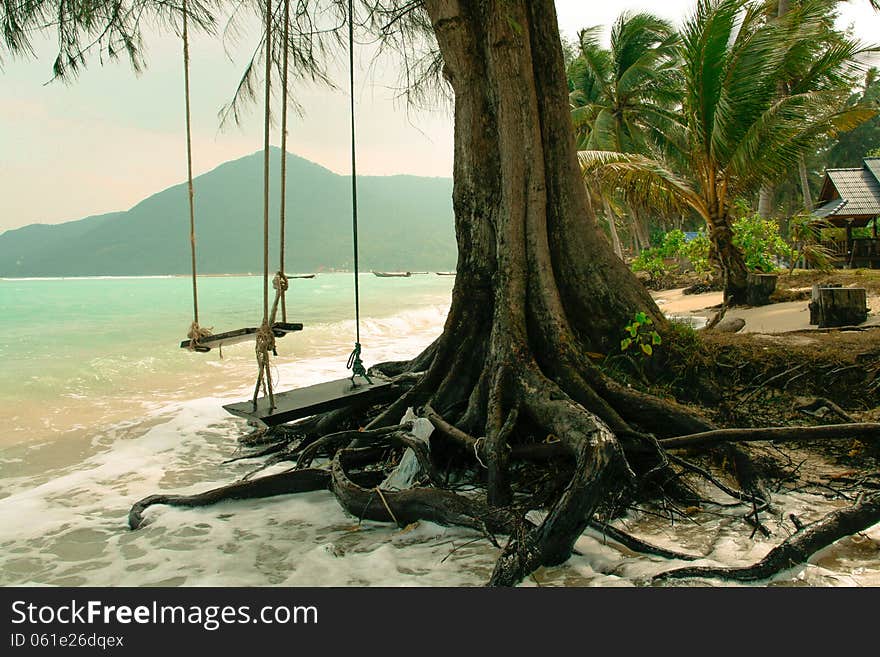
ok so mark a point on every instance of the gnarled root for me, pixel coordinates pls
(600, 467)
(796, 549)
(407, 506)
(531, 435)
(284, 483)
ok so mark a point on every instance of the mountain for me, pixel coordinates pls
(405, 223)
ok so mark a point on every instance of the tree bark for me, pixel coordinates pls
(805, 184)
(765, 201)
(729, 259)
(612, 227)
(537, 284)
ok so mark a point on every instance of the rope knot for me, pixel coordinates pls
(265, 343)
(196, 334)
(356, 366)
(280, 282)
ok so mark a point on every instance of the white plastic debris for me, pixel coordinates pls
(409, 469)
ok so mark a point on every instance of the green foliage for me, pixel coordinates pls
(672, 244)
(654, 261)
(640, 335)
(850, 147)
(622, 96)
(697, 252)
(760, 242)
(735, 131)
(805, 233)
(757, 238)
(651, 262)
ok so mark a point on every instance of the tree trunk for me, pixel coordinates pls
(729, 260)
(612, 227)
(537, 283)
(805, 184)
(640, 231)
(765, 201)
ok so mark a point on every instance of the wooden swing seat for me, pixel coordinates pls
(280, 329)
(303, 402)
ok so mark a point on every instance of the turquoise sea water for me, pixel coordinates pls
(99, 408)
(79, 351)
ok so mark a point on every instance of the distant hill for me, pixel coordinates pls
(405, 223)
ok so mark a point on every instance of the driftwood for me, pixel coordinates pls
(796, 549)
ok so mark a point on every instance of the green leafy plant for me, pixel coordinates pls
(697, 252)
(805, 232)
(760, 242)
(640, 335)
(655, 261)
(673, 242)
(651, 261)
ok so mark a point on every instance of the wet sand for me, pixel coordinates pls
(773, 318)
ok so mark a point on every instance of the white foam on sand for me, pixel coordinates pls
(67, 524)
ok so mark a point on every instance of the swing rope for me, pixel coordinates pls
(196, 332)
(281, 277)
(265, 338)
(354, 360)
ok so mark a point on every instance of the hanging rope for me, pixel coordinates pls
(196, 333)
(354, 360)
(281, 270)
(265, 338)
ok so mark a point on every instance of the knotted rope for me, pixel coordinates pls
(356, 366)
(265, 344)
(284, 64)
(280, 283)
(196, 334)
(354, 360)
(265, 336)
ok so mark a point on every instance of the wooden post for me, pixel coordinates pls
(760, 287)
(849, 245)
(838, 306)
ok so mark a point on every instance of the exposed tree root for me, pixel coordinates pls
(596, 472)
(407, 506)
(299, 481)
(796, 549)
(636, 544)
(864, 430)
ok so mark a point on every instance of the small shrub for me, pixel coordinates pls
(640, 335)
(697, 252)
(760, 242)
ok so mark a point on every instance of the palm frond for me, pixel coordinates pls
(641, 180)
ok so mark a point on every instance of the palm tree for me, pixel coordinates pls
(622, 97)
(736, 131)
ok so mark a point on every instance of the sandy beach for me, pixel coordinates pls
(774, 318)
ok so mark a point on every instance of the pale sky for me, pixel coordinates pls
(111, 138)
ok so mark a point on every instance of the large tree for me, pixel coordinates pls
(537, 289)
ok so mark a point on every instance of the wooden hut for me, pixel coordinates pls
(850, 198)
